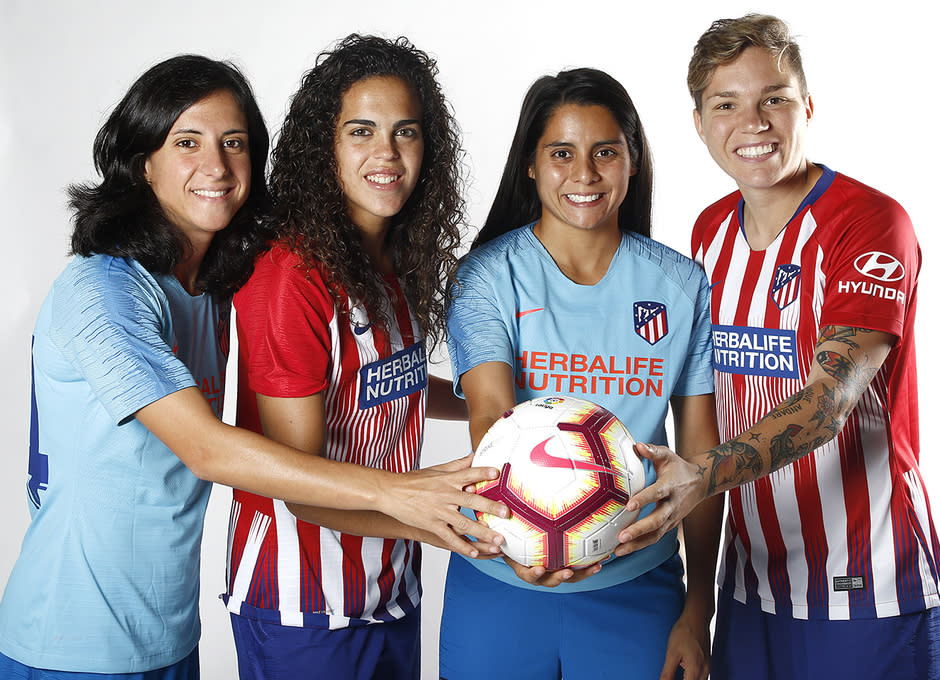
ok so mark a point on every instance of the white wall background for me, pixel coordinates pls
(64, 65)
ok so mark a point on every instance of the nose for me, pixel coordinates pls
(385, 146)
(214, 161)
(584, 170)
(754, 119)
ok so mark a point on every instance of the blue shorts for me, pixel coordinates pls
(185, 669)
(750, 643)
(492, 629)
(379, 651)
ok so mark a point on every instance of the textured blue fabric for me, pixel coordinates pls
(107, 580)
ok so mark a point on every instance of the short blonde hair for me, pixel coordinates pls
(726, 39)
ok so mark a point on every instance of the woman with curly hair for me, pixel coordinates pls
(331, 329)
(129, 355)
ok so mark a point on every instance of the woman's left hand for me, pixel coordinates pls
(540, 576)
(688, 647)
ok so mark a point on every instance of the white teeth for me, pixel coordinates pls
(209, 194)
(382, 179)
(754, 151)
(581, 198)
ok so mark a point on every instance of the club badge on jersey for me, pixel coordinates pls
(786, 285)
(649, 321)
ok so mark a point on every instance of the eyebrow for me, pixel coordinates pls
(603, 142)
(372, 123)
(193, 131)
(726, 94)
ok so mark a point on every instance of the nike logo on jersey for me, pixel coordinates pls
(543, 458)
(523, 312)
(359, 330)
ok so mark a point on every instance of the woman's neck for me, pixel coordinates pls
(583, 255)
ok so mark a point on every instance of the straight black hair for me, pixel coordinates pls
(120, 216)
(517, 202)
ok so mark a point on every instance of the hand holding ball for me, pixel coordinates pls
(567, 471)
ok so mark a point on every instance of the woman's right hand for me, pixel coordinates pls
(430, 499)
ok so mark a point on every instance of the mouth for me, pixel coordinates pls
(211, 193)
(755, 151)
(581, 199)
(383, 178)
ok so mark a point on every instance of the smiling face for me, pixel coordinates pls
(379, 149)
(754, 119)
(201, 175)
(581, 169)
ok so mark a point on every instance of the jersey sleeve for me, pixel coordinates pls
(476, 329)
(697, 376)
(283, 317)
(112, 322)
(872, 270)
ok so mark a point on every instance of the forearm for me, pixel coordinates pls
(697, 431)
(846, 360)
(489, 391)
(701, 531)
(804, 422)
(362, 523)
(242, 459)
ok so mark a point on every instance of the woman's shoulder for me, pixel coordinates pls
(657, 251)
(104, 274)
(512, 244)
(674, 265)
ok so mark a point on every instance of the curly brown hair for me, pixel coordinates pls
(310, 212)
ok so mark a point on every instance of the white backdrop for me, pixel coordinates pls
(64, 65)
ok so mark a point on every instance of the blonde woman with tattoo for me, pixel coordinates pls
(830, 544)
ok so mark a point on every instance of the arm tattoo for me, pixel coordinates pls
(836, 365)
(841, 334)
(790, 433)
(783, 450)
(792, 405)
(729, 461)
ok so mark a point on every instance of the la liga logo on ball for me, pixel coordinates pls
(567, 470)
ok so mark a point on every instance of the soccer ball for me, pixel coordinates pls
(567, 469)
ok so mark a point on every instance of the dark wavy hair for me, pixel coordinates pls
(121, 216)
(310, 211)
(517, 201)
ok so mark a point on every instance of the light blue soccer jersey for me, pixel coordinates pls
(629, 342)
(107, 580)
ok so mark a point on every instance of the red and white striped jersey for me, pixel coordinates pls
(846, 531)
(374, 381)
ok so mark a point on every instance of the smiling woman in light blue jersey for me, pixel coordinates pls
(565, 293)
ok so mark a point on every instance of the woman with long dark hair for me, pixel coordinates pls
(564, 293)
(129, 355)
(334, 327)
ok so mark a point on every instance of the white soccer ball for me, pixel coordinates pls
(567, 470)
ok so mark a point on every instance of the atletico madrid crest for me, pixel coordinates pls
(649, 321)
(786, 285)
